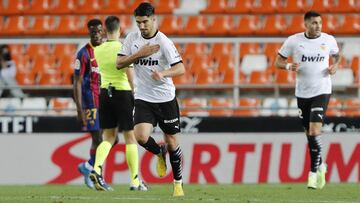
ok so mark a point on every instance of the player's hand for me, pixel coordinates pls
(148, 50)
(82, 118)
(156, 75)
(294, 67)
(332, 69)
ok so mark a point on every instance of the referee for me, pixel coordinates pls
(116, 108)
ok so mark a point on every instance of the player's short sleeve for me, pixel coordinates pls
(334, 49)
(170, 52)
(126, 46)
(286, 49)
(80, 64)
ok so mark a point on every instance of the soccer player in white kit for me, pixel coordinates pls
(311, 51)
(155, 60)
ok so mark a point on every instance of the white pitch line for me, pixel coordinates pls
(303, 201)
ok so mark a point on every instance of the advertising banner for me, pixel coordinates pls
(52, 158)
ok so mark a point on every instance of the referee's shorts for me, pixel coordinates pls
(116, 111)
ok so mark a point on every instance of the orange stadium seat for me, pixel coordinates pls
(38, 7)
(355, 66)
(65, 25)
(239, 6)
(114, 7)
(195, 25)
(220, 106)
(16, 49)
(43, 64)
(23, 63)
(273, 25)
(59, 50)
(329, 23)
(166, 6)
(221, 49)
(221, 25)
(65, 64)
(225, 62)
(284, 77)
(13, 7)
(296, 25)
(350, 24)
(265, 6)
(87, 6)
(207, 77)
(199, 63)
(171, 25)
(351, 107)
(25, 78)
(185, 79)
(322, 6)
(343, 6)
(293, 6)
(194, 107)
(271, 51)
(40, 25)
(37, 50)
(250, 48)
(248, 107)
(229, 74)
(60, 105)
(14, 25)
(62, 7)
(215, 7)
(334, 107)
(246, 25)
(193, 49)
(260, 78)
(52, 78)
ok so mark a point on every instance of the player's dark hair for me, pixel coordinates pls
(311, 14)
(93, 23)
(144, 9)
(112, 24)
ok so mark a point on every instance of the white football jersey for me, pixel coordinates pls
(145, 87)
(312, 55)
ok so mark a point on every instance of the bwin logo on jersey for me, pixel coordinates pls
(147, 62)
(317, 58)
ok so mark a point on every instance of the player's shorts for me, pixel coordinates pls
(312, 109)
(92, 119)
(166, 114)
(116, 111)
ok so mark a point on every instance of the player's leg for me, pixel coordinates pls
(132, 159)
(170, 125)
(304, 105)
(102, 151)
(144, 120)
(109, 135)
(317, 114)
(93, 127)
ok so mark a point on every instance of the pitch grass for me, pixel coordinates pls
(248, 193)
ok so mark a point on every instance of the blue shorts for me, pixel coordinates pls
(92, 119)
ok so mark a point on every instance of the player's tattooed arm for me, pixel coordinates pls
(336, 61)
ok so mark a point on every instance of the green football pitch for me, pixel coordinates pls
(248, 193)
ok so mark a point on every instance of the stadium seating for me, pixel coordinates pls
(8, 106)
(334, 108)
(351, 107)
(248, 107)
(274, 107)
(220, 106)
(33, 106)
(61, 106)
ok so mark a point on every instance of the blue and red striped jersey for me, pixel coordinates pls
(87, 66)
